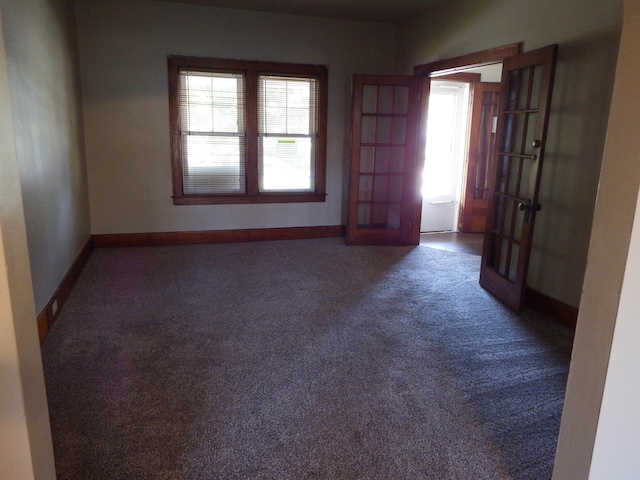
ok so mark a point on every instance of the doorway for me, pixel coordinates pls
(460, 138)
(388, 138)
(445, 154)
(515, 171)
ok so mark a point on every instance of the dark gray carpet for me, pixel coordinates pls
(454, 241)
(299, 360)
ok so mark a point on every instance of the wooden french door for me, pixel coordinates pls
(382, 185)
(525, 98)
(482, 131)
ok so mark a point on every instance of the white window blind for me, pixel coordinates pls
(287, 127)
(213, 132)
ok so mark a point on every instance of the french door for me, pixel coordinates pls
(482, 132)
(525, 98)
(383, 185)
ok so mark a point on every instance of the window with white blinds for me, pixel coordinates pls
(287, 133)
(245, 132)
(213, 131)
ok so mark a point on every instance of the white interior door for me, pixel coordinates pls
(445, 151)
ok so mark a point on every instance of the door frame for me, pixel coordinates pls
(437, 69)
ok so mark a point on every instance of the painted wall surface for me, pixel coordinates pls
(123, 54)
(42, 64)
(600, 430)
(26, 451)
(588, 38)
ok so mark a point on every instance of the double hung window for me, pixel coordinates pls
(247, 132)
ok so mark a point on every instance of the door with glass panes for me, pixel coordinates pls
(383, 182)
(525, 97)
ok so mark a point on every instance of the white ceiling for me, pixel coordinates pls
(388, 11)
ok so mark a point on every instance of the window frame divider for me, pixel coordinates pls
(252, 175)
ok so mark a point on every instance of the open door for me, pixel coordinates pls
(525, 98)
(482, 131)
(382, 184)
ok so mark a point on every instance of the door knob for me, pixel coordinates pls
(528, 206)
(536, 144)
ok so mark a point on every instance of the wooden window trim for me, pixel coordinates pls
(251, 71)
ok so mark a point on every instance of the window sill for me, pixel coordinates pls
(245, 199)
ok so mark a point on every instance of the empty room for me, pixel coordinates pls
(214, 259)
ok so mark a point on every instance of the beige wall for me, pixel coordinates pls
(41, 54)
(588, 37)
(123, 50)
(600, 431)
(25, 438)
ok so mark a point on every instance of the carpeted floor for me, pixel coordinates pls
(454, 241)
(299, 360)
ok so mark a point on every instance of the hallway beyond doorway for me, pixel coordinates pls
(454, 241)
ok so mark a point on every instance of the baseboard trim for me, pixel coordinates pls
(215, 236)
(50, 314)
(555, 309)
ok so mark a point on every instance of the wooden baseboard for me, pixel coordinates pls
(555, 309)
(50, 313)
(215, 236)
